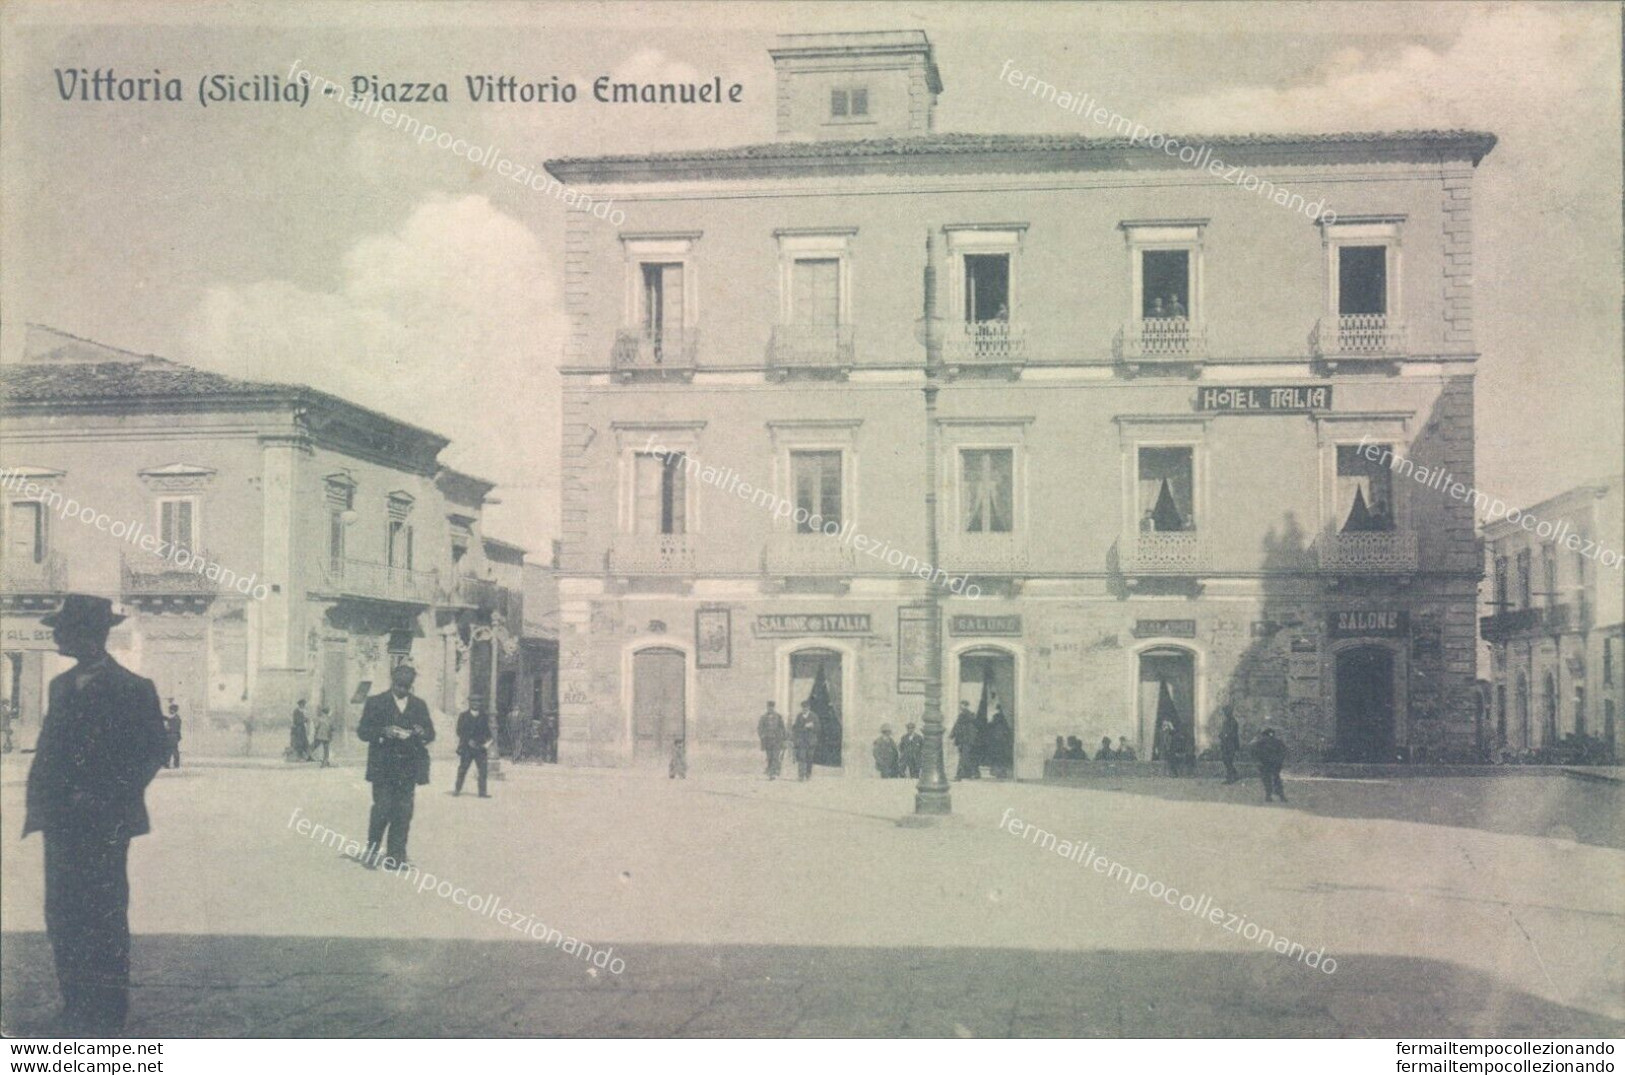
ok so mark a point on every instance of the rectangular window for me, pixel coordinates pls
(177, 523)
(335, 540)
(1548, 570)
(1167, 489)
(1525, 589)
(660, 496)
(815, 296)
(1364, 489)
(662, 299)
(400, 544)
(837, 103)
(1500, 583)
(1362, 280)
(817, 480)
(860, 101)
(987, 288)
(987, 490)
(1165, 283)
(25, 531)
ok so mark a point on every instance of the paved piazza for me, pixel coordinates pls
(1452, 906)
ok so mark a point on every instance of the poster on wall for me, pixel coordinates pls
(713, 638)
(913, 649)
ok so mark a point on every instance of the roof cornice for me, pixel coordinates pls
(939, 154)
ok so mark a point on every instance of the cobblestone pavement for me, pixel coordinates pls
(741, 907)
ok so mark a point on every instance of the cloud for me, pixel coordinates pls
(449, 322)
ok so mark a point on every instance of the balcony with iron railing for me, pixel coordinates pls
(654, 554)
(26, 575)
(1163, 553)
(986, 344)
(185, 573)
(1161, 341)
(1527, 623)
(367, 580)
(655, 354)
(811, 348)
(790, 555)
(1373, 552)
(1358, 337)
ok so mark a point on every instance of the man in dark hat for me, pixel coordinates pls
(473, 745)
(1271, 755)
(398, 731)
(911, 752)
(964, 737)
(101, 743)
(885, 751)
(172, 731)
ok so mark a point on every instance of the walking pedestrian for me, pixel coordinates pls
(299, 734)
(1229, 744)
(911, 752)
(397, 729)
(101, 743)
(964, 739)
(1271, 755)
(678, 769)
(770, 733)
(886, 756)
(473, 746)
(321, 734)
(1168, 746)
(172, 736)
(804, 732)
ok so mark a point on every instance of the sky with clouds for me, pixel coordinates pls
(323, 247)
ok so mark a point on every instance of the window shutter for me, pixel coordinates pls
(676, 496)
(646, 494)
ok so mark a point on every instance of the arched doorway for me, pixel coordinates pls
(817, 678)
(659, 700)
(987, 683)
(1365, 704)
(1166, 694)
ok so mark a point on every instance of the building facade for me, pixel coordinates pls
(1156, 398)
(1556, 626)
(269, 542)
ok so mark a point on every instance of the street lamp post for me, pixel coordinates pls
(932, 797)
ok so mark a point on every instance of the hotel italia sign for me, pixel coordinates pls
(1264, 399)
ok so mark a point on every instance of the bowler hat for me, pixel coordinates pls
(83, 610)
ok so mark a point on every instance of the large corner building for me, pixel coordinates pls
(1152, 387)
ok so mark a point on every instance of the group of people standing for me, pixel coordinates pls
(1071, 749)
(899, 758)
(802, 734)
(984, 740)
(306, 741)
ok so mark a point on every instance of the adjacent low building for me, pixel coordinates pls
(270, 543)
(1556, 625)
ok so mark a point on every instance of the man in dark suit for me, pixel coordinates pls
(770, 733)
(1229, 744)
(473, 741)
(1271, 755)
(100, 745)
(172, 729)
(396, 727)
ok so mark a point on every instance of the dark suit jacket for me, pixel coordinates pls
(473, 733)
(396, 760)
(98, 750)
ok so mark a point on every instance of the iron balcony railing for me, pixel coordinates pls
(654, 554)
(811, 347)
(381, 582)
(808, 554)
(988, 342)
(25, 575)
(643, 349)
(183, 572)
(984, 553)
(1164, 552)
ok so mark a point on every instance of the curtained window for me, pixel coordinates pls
(987, 490)
(1166, 490)
(660, 498)
(1364, 489)
(817, 480)
(662, 300)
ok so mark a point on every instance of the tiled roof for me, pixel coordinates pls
(150, 378)
(1467, 143)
